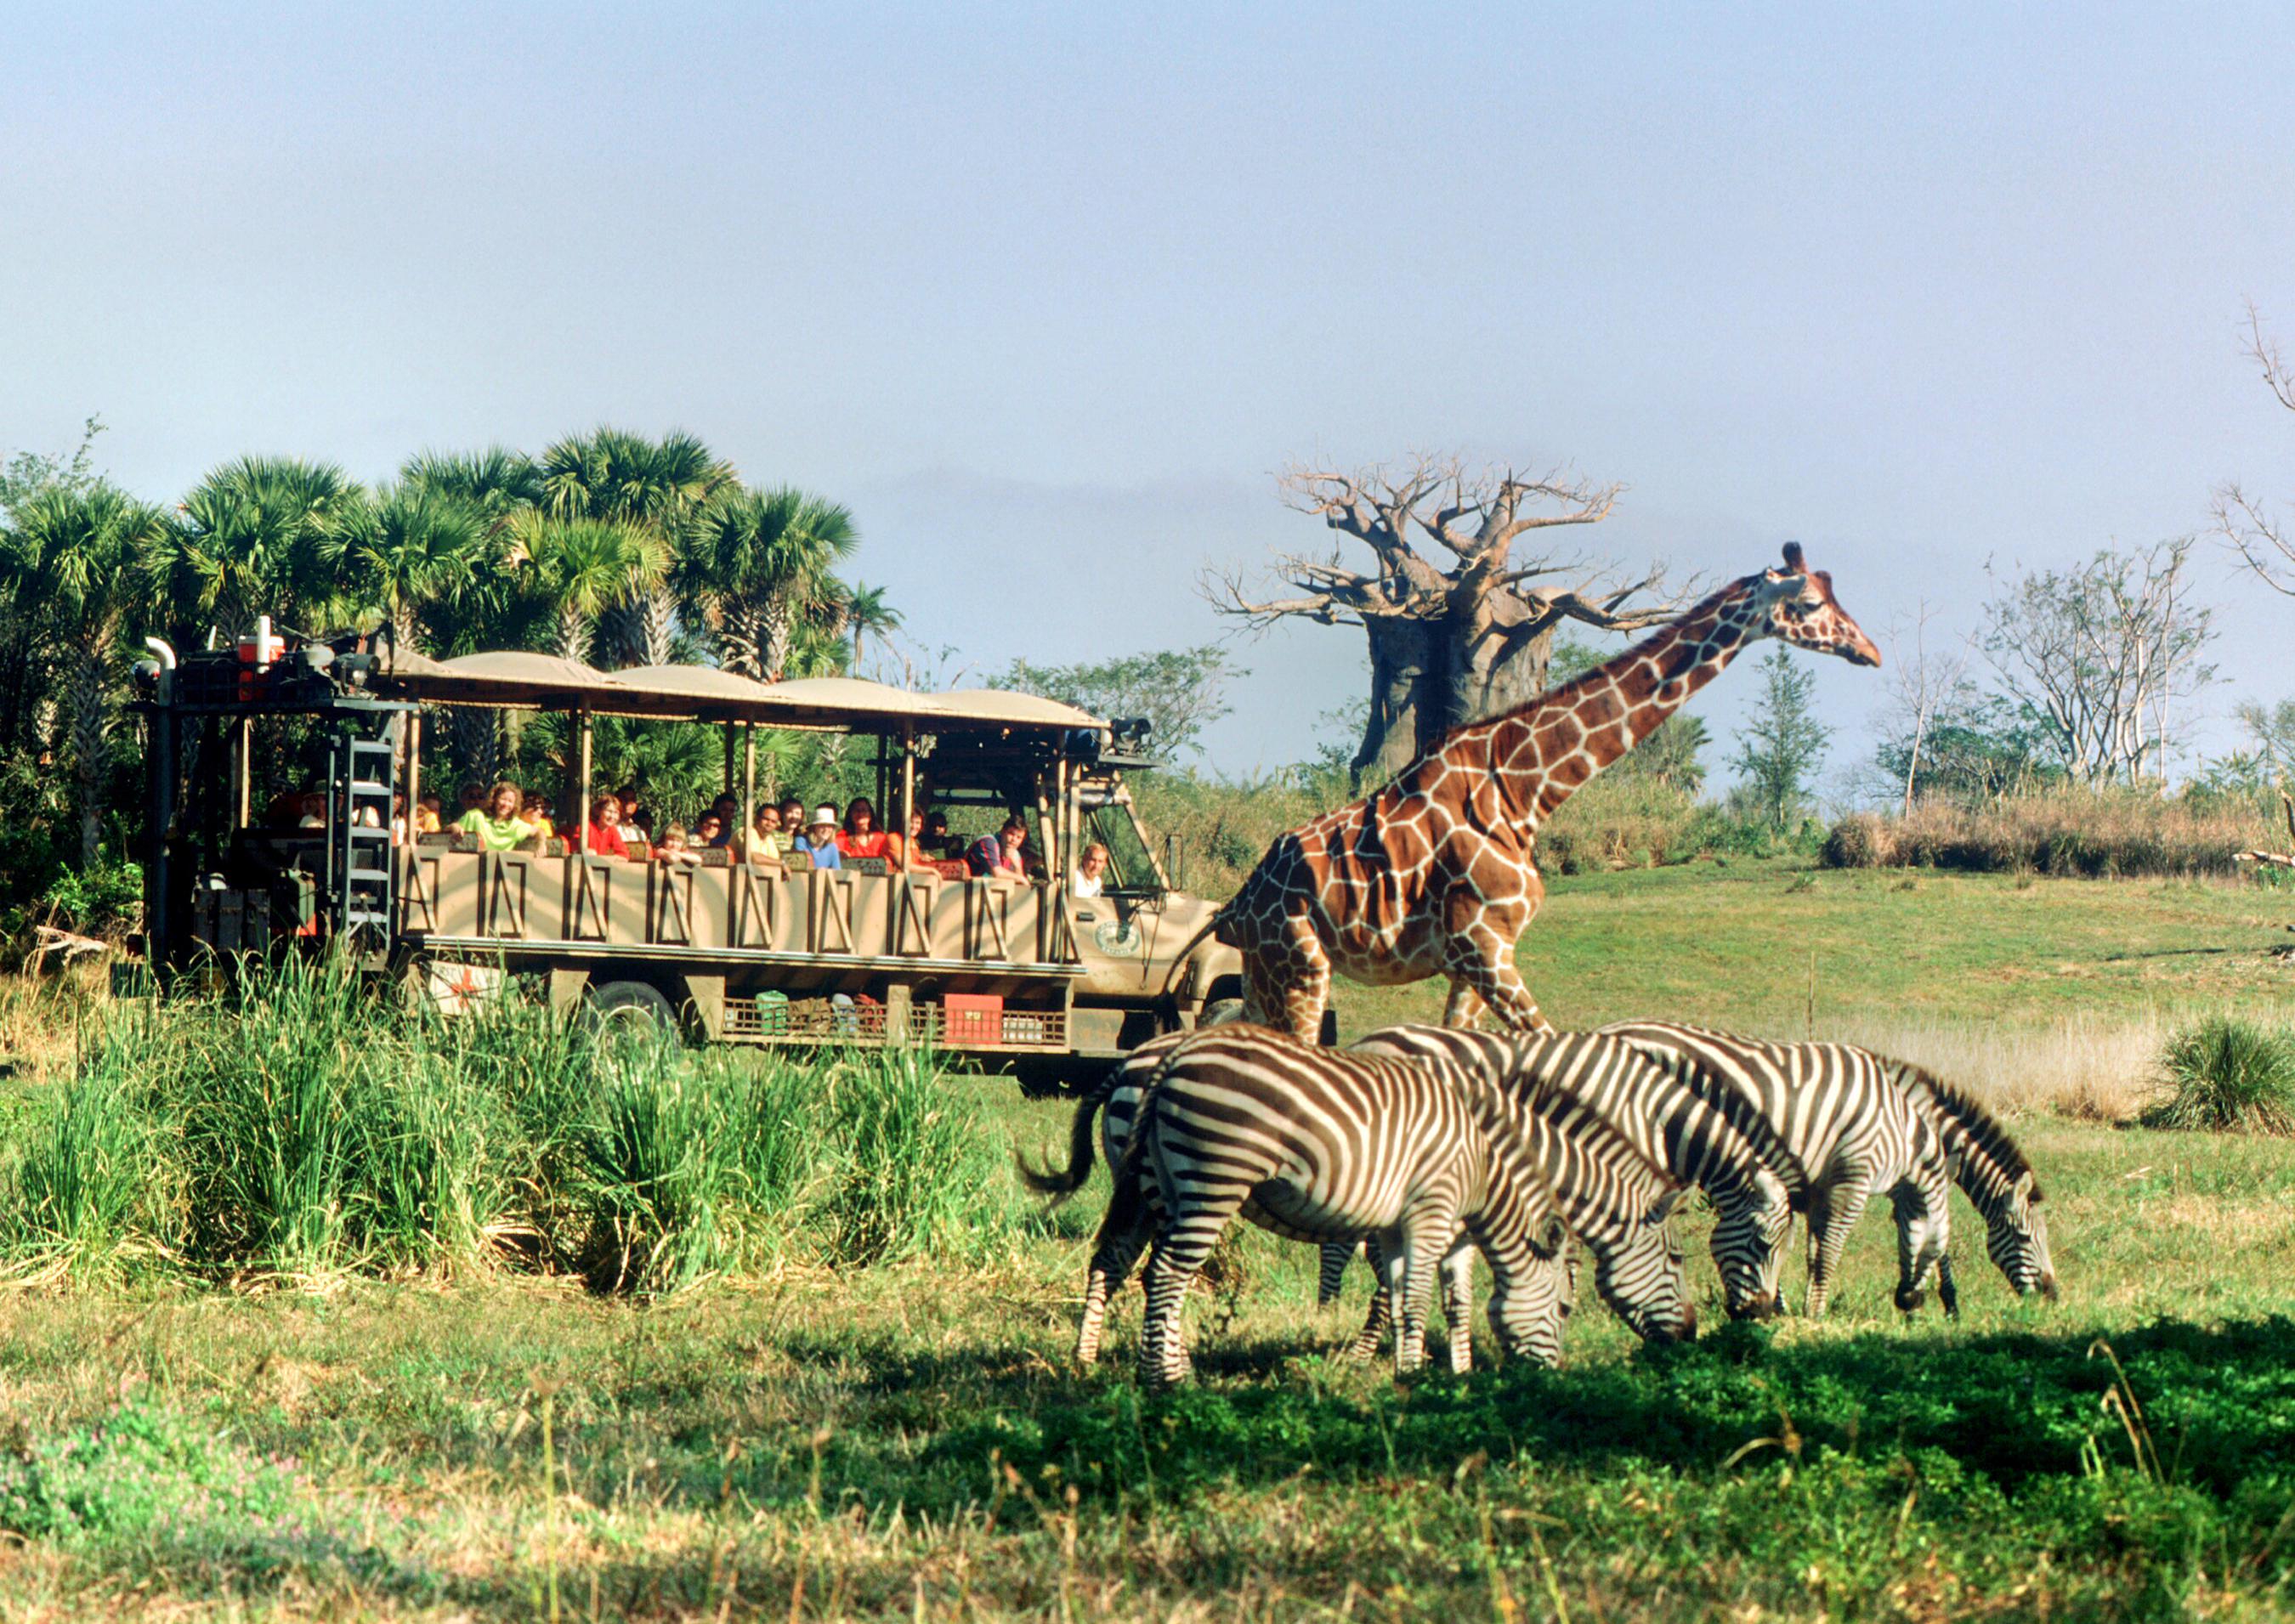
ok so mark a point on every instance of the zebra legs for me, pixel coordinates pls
(1922, 1217)
(1833, 1214)
(1331, 1271)
(1457, 1273)
(1123, 1232)
(1183, 1240)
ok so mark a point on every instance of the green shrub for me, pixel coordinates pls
(142, 1474)
(913, 1170)
(1862, 840)
(93, 1186)
(2227, 1075)
(662, 1173)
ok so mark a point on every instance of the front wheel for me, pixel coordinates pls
(628, 1008)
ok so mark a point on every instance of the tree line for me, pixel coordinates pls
(610, 548)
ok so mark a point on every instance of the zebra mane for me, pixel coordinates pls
(1970, 1120)
(1599, 1138)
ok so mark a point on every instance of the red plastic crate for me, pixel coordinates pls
(974, 1020)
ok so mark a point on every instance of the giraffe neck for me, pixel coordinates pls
(1542, 752)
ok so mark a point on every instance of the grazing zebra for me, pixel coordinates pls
(1851, 1132)
(1994, 1175)
(1723, 1146)
(1615, 1200)
(1316, 1146)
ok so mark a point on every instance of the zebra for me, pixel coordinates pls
(1723, 1148)
(1993, 1173)
(1615, 1199)
(1314, 1145)
(1851, 1130)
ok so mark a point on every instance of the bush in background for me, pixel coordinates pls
(2227, 1075)
(2086, 833)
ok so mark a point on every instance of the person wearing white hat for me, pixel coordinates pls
(819, 840)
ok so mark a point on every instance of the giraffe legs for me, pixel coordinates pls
(1482, 969)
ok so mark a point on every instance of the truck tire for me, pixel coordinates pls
(1218, 1012)
(628, 1007)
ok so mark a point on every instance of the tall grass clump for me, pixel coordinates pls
(94, 1187)
(2227, 1075)
(662, 1169)
(913, 1170)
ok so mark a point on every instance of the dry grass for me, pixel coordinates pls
(2086, 833)
(2087, 1068)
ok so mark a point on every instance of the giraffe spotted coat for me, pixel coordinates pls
(1435, 875)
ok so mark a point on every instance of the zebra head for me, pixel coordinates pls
(1641, 1271)
(1748, 1247)
(1531, 1297)
(2016, 1239)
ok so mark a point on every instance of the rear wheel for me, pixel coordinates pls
(628, 1008)
(1219, 1012)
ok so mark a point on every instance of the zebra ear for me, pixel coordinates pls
(1558, 1236)
(1663, 1207)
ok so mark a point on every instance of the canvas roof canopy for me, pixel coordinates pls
(512, 679)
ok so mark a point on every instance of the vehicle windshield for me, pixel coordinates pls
(1129, 866)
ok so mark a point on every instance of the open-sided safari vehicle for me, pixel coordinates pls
(740, 949)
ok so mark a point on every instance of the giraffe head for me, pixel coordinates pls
(1796, 603)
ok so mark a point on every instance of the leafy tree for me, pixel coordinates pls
(762, 562)
(414, 552)
(658, 486)
(868, 612)
(24, 681)
(1181, 691)
(2270, 730)
(572, 570)
(258, 536)
(75, 560)
(1778, 750)
(1969, 746)
(31, 473)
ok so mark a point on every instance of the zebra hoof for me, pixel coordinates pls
(1910, 1298)
(1764, 1306)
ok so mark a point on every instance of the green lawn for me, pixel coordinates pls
(1759, 945)
(910, 1442)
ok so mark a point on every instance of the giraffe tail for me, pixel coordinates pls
(1180, 960)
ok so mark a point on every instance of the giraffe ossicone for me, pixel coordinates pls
(1436, 874)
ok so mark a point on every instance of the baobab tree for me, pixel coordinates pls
(1463, 634)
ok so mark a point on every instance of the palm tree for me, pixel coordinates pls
(256, 538)
(497, 482)
(763, 561)
(412, 552)
(573, 569)
(78, 559)
(868, 612)
(656, 485)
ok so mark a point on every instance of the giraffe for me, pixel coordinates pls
(1435, 875)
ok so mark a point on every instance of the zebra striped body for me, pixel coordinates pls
(1849, 1129)
(1722, 1147)
(1326, 1145)
(1992, 1172)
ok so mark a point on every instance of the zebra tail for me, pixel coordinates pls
(1059, 1184)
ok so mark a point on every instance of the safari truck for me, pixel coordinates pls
(738, 947)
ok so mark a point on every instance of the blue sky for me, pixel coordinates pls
(1048, 294)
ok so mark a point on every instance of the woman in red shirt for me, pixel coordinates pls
(860, 836)
(603, 836)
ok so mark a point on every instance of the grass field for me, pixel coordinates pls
(907, 1439)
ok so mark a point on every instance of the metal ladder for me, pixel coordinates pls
(363, 775)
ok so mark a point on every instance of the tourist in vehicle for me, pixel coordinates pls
(499, 825)
(603, 836)
(672, 848)
(819, 841)
(314, 810)
(860, 836)
(1091, 873)
(1001, 853)
(727, 810)
(935, 835)
(471, 797)
(627, 795)
(425, 816)
(544, 828)
(765, 841)
(792, 820)
(916, 851)
(709, 829)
